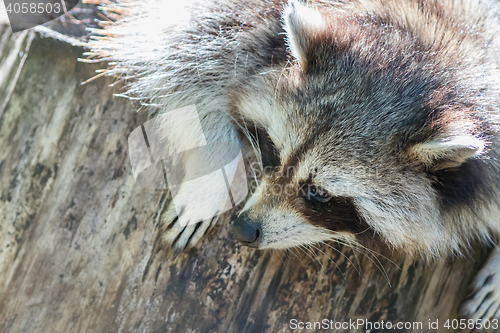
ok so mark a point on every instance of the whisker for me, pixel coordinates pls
(343, 275)
(340, 252)
(253, 141)
(310, 256)
(336, 238)
(372, 253)
(302, 263)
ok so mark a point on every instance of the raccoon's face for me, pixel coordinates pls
(358, 144)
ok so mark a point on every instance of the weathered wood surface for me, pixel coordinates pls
(77, 237)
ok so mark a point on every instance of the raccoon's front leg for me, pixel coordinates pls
(484, 297)
(182, 224)
(182, 236)
(202, 193)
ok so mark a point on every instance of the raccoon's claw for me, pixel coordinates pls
(179, 236)
(483, 301)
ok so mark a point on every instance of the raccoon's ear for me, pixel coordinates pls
(447, 152)
(302, 24)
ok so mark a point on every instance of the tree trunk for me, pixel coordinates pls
(78, 238)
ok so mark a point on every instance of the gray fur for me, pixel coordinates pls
(390, 106)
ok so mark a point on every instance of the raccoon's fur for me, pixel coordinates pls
(376, 120)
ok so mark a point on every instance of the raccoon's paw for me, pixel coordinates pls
(483, 301)
(181, 237)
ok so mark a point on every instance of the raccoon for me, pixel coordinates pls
(375, 122)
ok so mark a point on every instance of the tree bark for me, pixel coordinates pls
(78, 238)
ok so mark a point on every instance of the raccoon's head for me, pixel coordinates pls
(368, 138)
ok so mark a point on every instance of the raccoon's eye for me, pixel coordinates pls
(318, 194)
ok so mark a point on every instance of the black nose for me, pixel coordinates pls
(247, 231)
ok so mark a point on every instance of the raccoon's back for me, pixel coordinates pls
(162, 46)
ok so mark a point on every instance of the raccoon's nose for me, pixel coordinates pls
(247, 231)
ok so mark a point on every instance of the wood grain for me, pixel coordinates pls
(78, 249)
